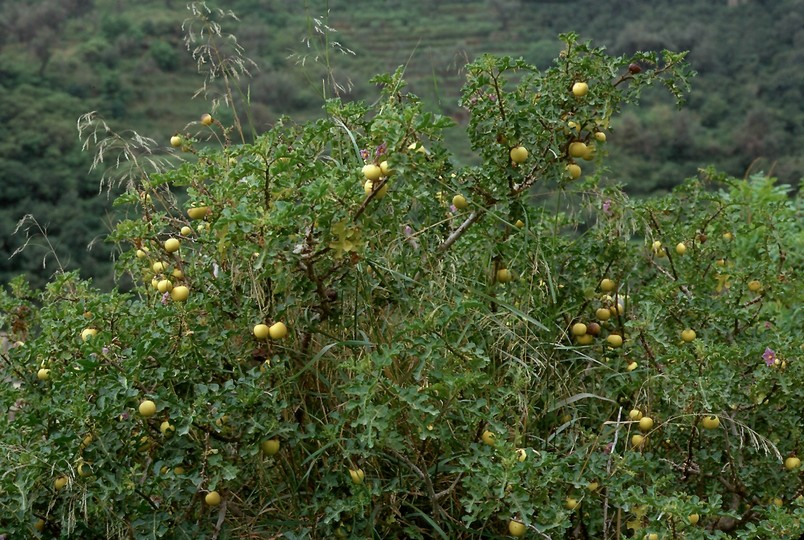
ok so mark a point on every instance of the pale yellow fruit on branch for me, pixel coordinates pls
(574, 170)
(166, 428)
(600, 136)
(603, 314)
(652, 536)
(269, 447)
(580, 89)
(372, 172)
(459, 202)
(519, 154)
(357, 475)
(60, 482)
(592, 486)
(180, 293)
(754, 285)
(645, 423)
(517, 528)
(142, 253)
(213, 498)
(577, 149)
(632, 366)
(164, 285)
(489, 438)
(688, 335)
(186, 231)
(207, 119)
(197, 212)
(570, 503)
(43, 374)
(261, 331)
(278, 330)
(710, 422)
(385, 168)
(586, 339)
(681, 248)
(172, 245)
(578, 329)
(519, 224)
(521, 454)
(792, 463)
(178, 274)
(693, 518)
(635, 414)
(84, 470)
(615, 340)
(147, 408)
(88, 333)
(504, 275)
(86, 441)
(175, 141)
(158, 266)
(589, 155)
(637, 441)
(607, 285)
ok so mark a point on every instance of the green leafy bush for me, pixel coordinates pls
(446, 349)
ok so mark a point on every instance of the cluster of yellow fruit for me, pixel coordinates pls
(373, 173)
(160, 280)
(585, 333)
(582, 147)
(278, 330)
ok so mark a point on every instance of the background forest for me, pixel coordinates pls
(128, 61)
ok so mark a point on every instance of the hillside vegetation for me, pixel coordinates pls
(129, 62)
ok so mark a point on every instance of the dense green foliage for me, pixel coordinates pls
(128, 60)
(452, 360)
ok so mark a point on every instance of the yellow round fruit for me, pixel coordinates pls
(142, 253)
(84, 470)
(87, 333)
(172, 244)
(577, 149)
(570, 503)
(516, 528)
(519, 154)
(519, 224)
(180, 293)
(652, 536)
(710, 422)
(207, 119)
(186, 231)
(489, 438)
(178, 470)
(459, 202)
(178, 274)
(166, 428)
(147, 408)
(213, 498)
(372, 172)
(574, 170)
(592, 486)
(645, 423)
(385, 168)
(357, 475)
(586, 339)
(269, 446)
(615, 340)
(197, 212)
(278, 330)
(164, 285)
(59, 483)
(261, 331)
(681, 248)
(603, 314)
(580, 89)
(632, 366)
(693, 518)
(43, 374)
(87, 441)
(589, 155)
(578, 329)
(521, 454)
(727, 236)
(158, 266)
(175, 141)
(688, 335)
(607, 285)
(792, 463)
(637, 441)
(504, 275)
(635, 414)
(600, 136)
(754, 285)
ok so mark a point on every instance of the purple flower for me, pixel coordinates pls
(105, 350)
(607, 207)
(364, 154)
(165, 298)
(769, 356)
(408, 230)
(381, 149)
